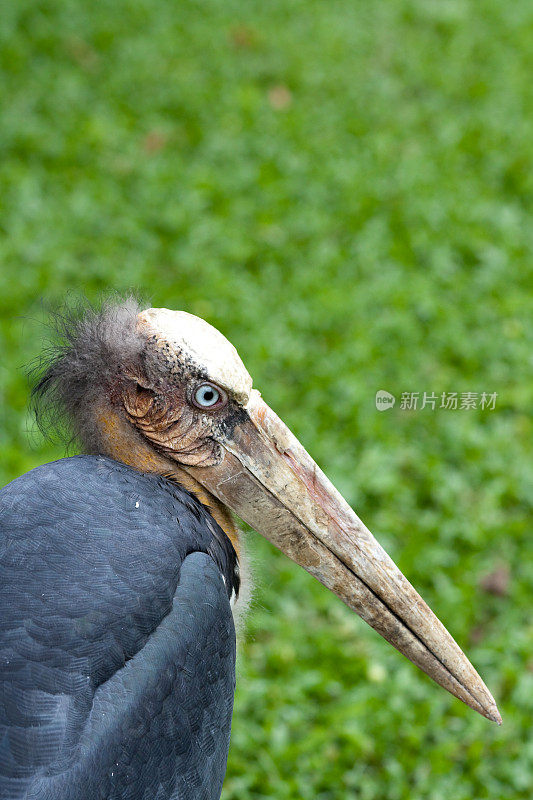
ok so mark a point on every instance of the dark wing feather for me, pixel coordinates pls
(117, 645)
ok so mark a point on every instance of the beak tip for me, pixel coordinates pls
(490, 711)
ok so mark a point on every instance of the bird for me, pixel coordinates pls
(123, 576)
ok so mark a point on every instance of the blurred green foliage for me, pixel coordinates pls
(345, 189)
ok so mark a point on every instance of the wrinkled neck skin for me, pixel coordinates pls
(119, 440)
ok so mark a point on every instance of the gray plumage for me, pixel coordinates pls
(117, 644)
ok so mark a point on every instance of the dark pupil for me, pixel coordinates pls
(209, 395)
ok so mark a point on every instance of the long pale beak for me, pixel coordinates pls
(269, 480)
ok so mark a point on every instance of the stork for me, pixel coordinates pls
(121, 569)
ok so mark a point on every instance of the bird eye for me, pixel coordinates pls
(208, 396)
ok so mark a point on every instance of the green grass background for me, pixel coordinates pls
(345, 189)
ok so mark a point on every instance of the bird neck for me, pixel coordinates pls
(120, 441)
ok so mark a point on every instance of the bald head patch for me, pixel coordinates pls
(185, 341)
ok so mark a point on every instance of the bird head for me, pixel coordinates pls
(166, 392)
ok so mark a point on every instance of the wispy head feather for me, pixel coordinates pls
(90, 348)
